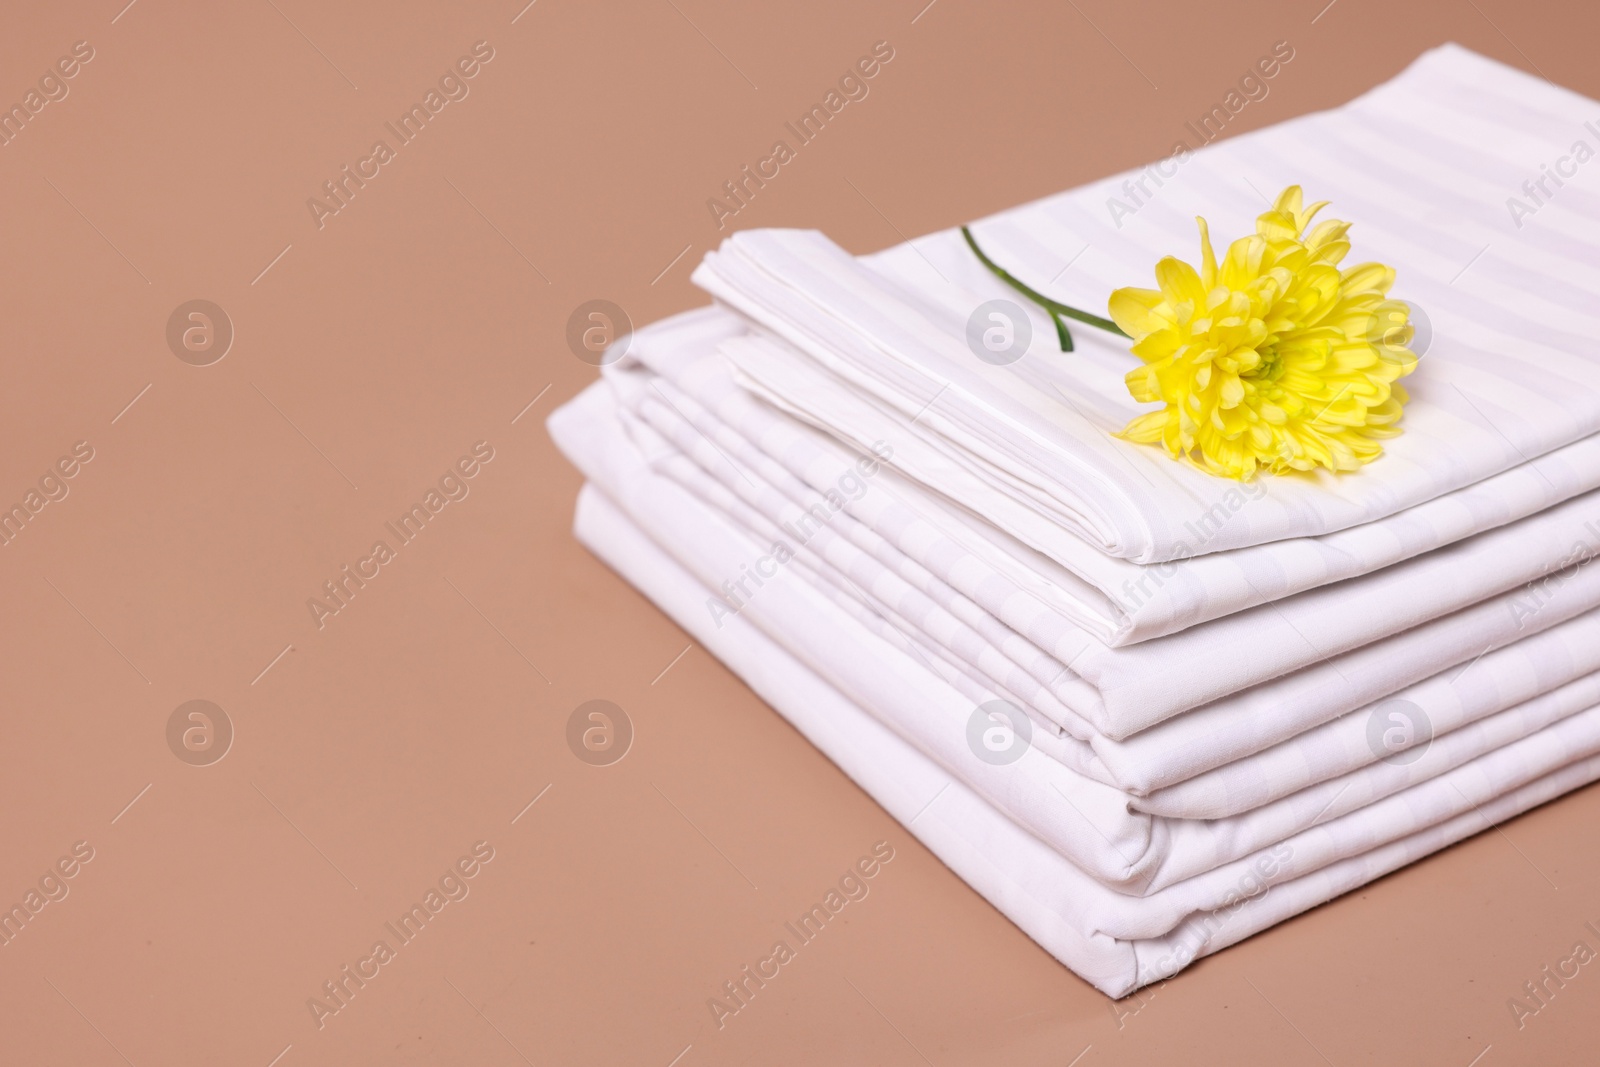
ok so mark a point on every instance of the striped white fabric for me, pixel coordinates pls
(885, 534)
(1115, 941)
(1424, 165)
(1118, 601)
(806, 606)
(996, 615)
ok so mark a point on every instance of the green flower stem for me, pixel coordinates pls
(1054, 307)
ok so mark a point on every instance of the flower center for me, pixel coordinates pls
(1271, 366)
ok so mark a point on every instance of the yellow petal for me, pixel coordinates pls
(1368, 277)
(1146, 429)
(1134, 311)
(1179, 283)
(1208, 257)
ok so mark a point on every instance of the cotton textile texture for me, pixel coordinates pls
(1424, 164)
(1048, 897)
(981, 654)
(890, 537)
(1094, 826)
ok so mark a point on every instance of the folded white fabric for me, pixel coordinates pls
(981, 608)
(900, 543)
(1423, 164)
(1115, 600)
(1069, 914)
(1179, 860)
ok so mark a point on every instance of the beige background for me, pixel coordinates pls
(424, 717)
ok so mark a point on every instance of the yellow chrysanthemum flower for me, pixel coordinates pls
(1275, 359)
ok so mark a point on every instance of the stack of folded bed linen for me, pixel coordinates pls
(1146, 711)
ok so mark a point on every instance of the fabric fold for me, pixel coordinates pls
(1049, 898)
(1183, 862)
(1511, 373)
(1144, 711)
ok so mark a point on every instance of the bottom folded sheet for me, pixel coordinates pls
(1054, 902)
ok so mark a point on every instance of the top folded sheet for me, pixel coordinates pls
(1426, 167)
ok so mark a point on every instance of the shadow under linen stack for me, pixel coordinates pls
(1144, 711)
